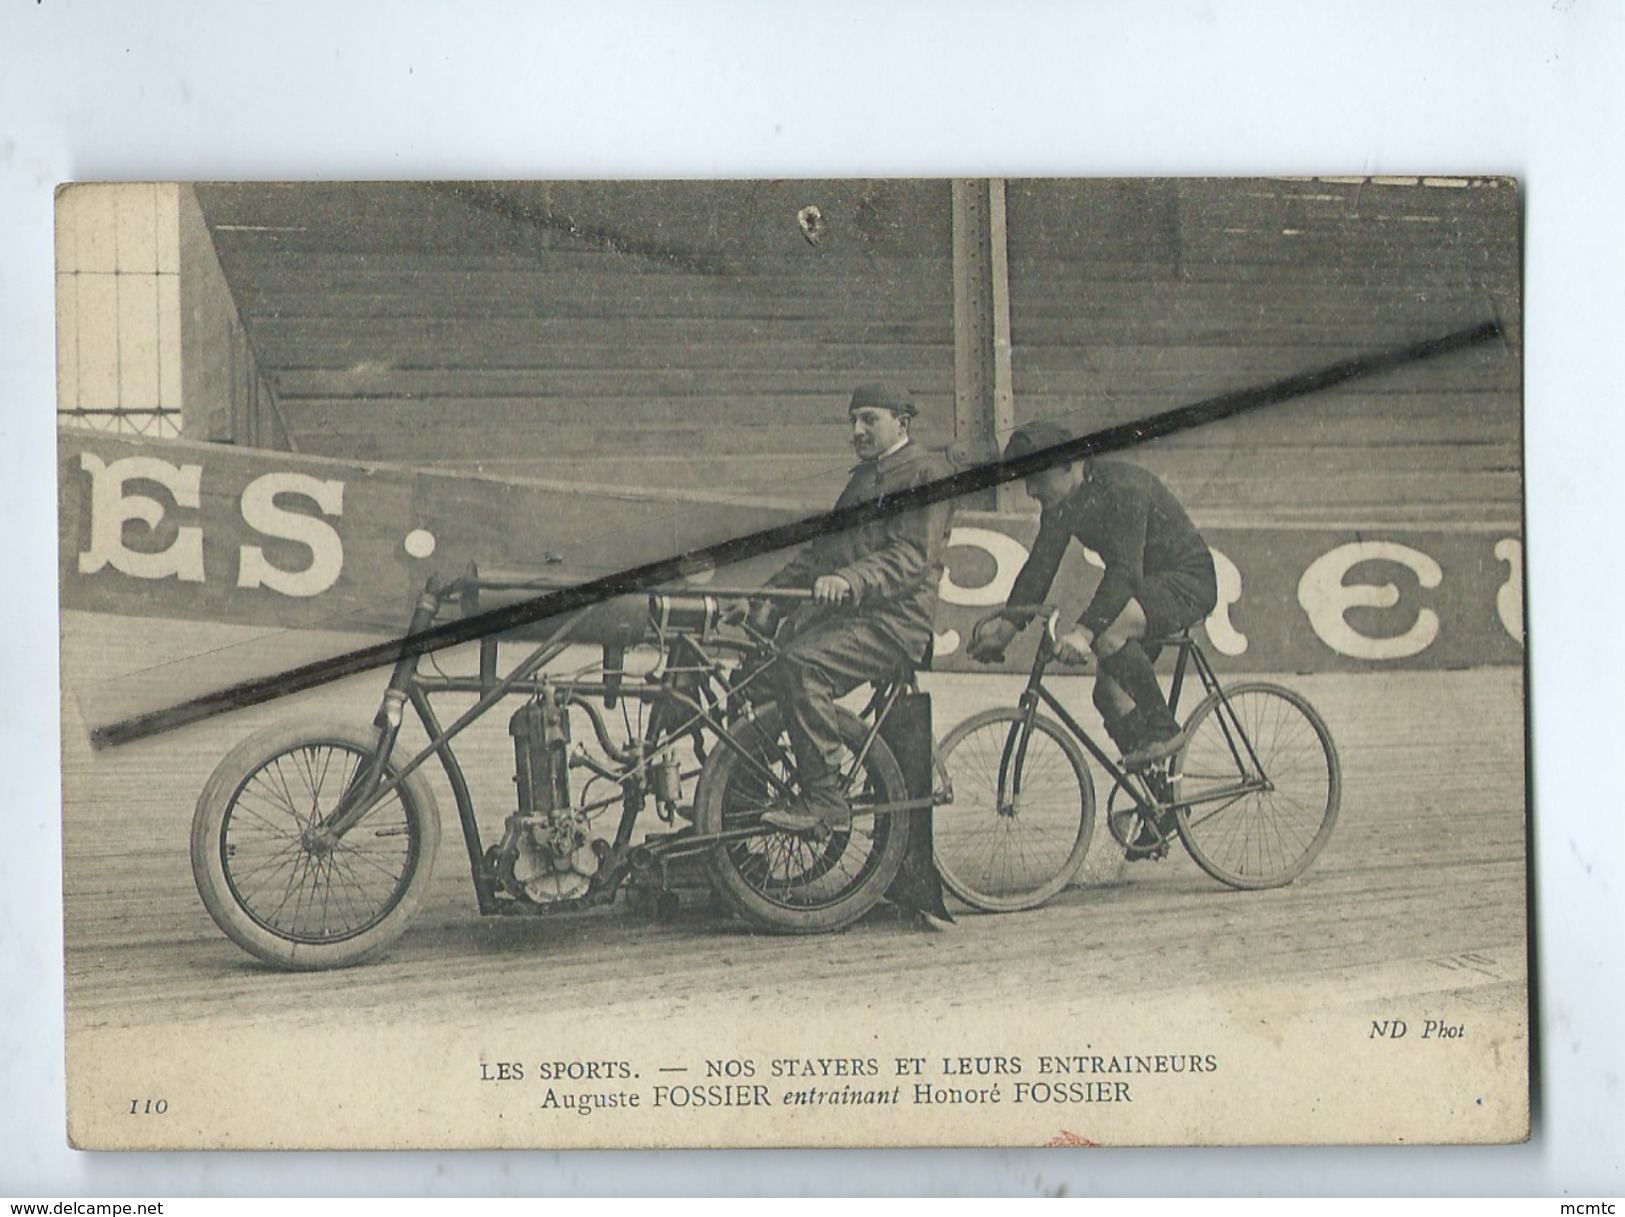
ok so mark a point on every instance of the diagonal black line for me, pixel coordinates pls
(783, 536)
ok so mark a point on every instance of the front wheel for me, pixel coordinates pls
(275, 883)
(1257, 788)
(788, 882)
(1022, 811)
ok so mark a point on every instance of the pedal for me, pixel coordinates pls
(1146, 853)
(1142, 839)
(817, 834)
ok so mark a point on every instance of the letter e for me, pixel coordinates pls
(1326, 599)
(1008, 556)
(110, 508)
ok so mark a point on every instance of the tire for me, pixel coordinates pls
(1008, 845)
(274, 895)
(786, 882)
(1266, 837)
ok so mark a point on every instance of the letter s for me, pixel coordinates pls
(1326, 598)
(110, 507)
(261, 513)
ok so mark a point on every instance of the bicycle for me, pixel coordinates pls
(1253, 794)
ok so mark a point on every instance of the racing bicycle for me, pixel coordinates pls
(1253, 794)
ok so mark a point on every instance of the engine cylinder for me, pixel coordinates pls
(541, 753)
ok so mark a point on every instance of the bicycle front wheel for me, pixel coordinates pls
(1022, 813)
(1257, 788)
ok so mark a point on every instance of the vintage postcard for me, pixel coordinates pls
(890, 663)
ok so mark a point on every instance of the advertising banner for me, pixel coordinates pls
(165, 528)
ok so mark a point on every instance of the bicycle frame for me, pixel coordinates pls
(1190, 657)
(675, 714)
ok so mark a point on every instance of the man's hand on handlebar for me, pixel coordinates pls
(1073, 647)
(990, 639)
(830, 589)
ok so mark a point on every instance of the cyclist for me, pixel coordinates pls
(1158, 579)
(874, 592)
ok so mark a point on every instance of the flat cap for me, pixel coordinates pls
(882, 397)
(1034, 436)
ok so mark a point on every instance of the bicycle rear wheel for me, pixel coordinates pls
(1258, 786)
(1022, 814)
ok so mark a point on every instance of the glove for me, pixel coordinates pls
(990, 638)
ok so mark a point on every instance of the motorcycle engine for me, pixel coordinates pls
(546, 858)
(546, 852)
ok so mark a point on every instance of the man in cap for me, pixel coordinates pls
(1159, 579)
(874, 594)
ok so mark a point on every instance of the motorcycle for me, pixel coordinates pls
(313, 843)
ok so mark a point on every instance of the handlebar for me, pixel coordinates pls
(742, 593)
(1029, 611)
(1023, 615)
(504, 580)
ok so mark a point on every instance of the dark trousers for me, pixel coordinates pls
(826, 662)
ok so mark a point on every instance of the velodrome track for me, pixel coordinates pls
(1420, 891)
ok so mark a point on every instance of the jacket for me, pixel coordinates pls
(1132, 521)
(894, 564)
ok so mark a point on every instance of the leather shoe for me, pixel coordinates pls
(1156, 750)
(788, 820)
(821, 809)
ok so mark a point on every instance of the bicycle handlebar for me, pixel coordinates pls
(1022, 615)
(1027, 612)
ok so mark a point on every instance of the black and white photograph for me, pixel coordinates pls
(833, 662)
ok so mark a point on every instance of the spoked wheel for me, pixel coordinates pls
(1022, 813)
(281, 887)
(791, 882)
(1257, 788)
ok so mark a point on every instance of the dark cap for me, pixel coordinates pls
(1035, 436)
(880, 397)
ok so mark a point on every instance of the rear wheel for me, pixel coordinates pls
(800, 883)
(281, 888)
(1257, 788)
(1022, 813)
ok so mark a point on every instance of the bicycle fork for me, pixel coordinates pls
(1013, 759)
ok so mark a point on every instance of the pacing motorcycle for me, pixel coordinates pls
(314, 842)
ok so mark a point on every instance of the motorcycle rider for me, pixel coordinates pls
(874, 594)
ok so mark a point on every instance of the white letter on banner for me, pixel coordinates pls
(261, 513)
(1509, 598)
(110, 508)
(1326, 598)
(1220, 632)
(1007, 553)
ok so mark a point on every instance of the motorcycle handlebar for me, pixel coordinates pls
(746, 593)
